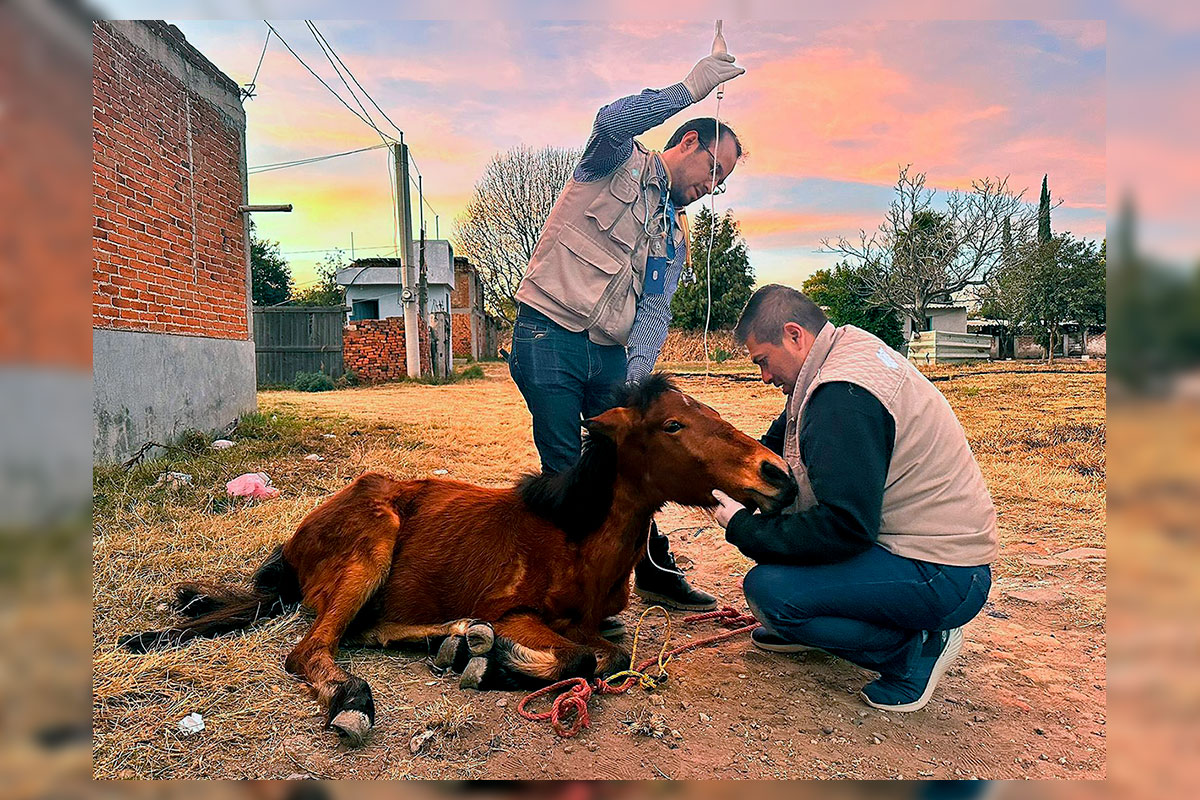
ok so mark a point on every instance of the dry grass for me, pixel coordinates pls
(1039, 437)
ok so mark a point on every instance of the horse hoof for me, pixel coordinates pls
(353, 725)
(480, 638)
(612, 664)
(473, 674)
(446, 653)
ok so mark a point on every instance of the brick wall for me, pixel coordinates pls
(461, 334)
(169, 248)
(464, 277)
(374, 349)
(466, 305)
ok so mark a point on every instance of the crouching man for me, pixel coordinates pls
(885, 555)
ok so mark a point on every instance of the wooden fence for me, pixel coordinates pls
(292, 339)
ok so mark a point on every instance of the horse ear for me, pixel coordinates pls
(612, 424)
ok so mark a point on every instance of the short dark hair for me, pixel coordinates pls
(772, 307)
(706, 131)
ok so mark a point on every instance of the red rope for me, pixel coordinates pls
(574, 700)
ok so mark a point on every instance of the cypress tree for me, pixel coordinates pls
(1044, 214)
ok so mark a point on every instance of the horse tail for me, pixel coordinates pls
(212, 610)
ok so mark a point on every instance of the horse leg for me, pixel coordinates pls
(525, 645)
(610, 658)
(462, 639)
(346, 698)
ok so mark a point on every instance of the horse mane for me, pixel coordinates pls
(578, 501)
(643, 393)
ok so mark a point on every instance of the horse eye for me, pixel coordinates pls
(672, 427)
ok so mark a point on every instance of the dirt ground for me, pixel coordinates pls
(1027, 699)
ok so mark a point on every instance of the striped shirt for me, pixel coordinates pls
(609, 146)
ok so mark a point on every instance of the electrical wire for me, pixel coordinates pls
(356, 83)
(248, 89)
(311, 160)
(332, 249)
(327, 50)
(712, 228)
(330, 55)
(321, 80)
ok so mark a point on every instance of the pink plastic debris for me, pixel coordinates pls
(252, 484)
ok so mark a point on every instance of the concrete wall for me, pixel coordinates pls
(153, 386)
(944, 319)
(389, 298)
(171, 272)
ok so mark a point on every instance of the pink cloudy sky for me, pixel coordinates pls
(827, 112)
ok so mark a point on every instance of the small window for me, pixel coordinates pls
(929, 323)
(365, 309)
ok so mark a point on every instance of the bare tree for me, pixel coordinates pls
(923, 254)
(502, 223)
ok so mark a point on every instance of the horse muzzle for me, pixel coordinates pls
(780, 491)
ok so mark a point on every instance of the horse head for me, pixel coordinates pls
(678, 450)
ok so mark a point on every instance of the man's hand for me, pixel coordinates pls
(726, 508)
(709, 73)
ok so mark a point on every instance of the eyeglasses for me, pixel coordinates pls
(720, 187)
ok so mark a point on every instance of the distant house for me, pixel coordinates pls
(373, 285)
(1007, 344)
(951, 317)
(477, 334)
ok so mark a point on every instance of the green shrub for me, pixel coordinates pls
(349, 378)
(192, 441)
(313, 382)
(721, 355)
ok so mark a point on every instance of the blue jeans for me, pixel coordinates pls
(869, 610)
(565, 378)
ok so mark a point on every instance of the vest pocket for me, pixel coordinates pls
(585, 271)
(624, 187)
(617, 219)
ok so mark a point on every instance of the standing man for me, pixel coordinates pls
(886, 553)
(595, 302)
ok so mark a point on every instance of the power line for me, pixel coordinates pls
(356, 83)
(329, 51)
(311, 160)
(334, 249)
(248, 89)
(329, 56)
(340, 99)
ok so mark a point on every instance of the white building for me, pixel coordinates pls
(950, 317)
(373, 285)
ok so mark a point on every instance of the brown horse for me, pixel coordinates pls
(514, 581)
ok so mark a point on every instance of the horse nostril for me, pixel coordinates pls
(775, 476)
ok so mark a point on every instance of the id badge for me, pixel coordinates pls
(656, 275)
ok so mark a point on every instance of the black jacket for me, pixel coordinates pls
(846, 441)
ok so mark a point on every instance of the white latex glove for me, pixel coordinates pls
(709, 73)
(726, 508)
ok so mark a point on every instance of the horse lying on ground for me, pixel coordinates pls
(516, 580)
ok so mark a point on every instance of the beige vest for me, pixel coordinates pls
(936, 506)
(589, 265)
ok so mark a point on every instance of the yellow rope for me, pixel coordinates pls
(647, 682)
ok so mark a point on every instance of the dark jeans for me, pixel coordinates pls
(565, 378)
(869, 610)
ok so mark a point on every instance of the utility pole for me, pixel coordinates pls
(408, 297)
(351, 245)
